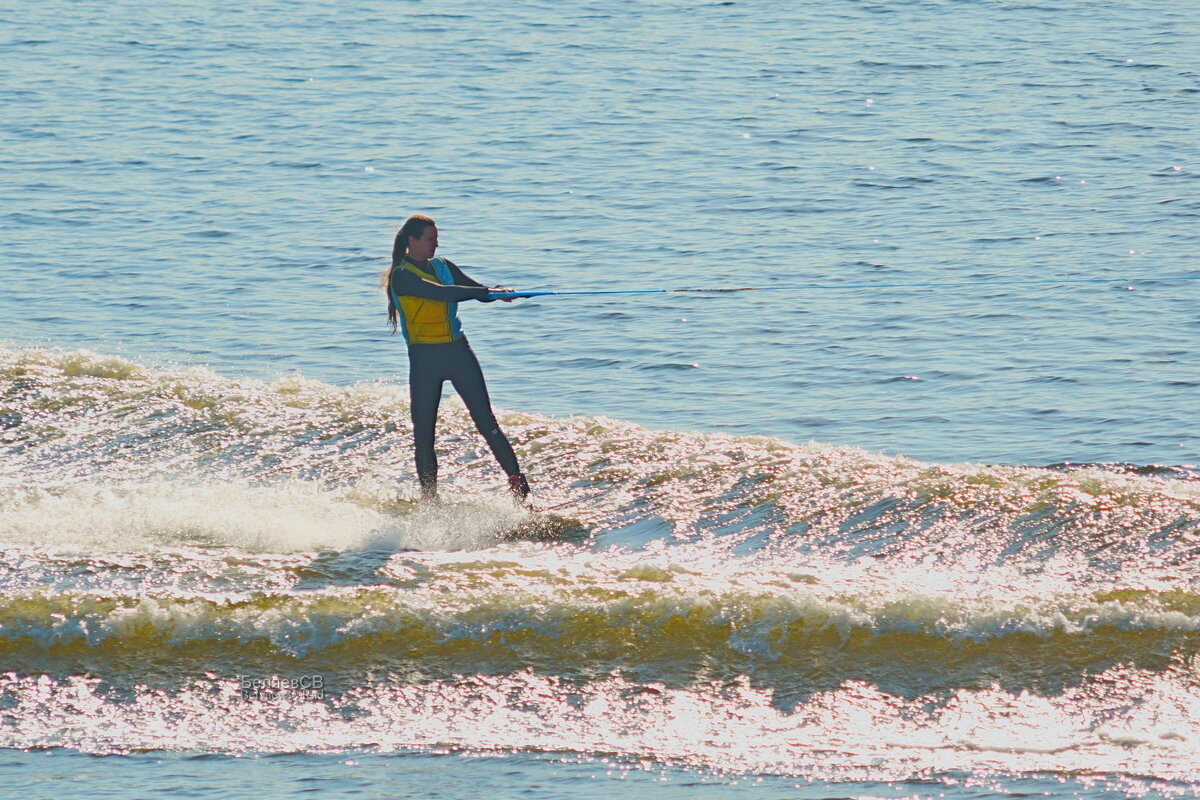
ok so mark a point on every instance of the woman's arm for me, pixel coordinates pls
(460, 278)
(463, 279)
(406, 283)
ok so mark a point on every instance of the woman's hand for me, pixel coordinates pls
(503, 289)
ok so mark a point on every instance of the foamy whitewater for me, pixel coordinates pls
(731, 605)
(879, 539)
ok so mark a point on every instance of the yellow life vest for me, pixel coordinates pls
(427, 321)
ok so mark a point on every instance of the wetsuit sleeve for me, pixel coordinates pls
(460, 278)
(405, 283)
(463, 279)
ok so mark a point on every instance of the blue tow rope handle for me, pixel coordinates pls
(829, 287)
(515, 295)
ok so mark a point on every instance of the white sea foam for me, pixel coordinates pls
(601, 607)
(1140, 724)
(289, 517)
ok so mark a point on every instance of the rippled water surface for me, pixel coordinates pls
(219, 185)
(828, 541)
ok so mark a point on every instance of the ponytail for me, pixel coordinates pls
(413, 226)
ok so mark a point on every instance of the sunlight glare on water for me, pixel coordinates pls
(928, 530)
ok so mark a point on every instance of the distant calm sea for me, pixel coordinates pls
(903, 541)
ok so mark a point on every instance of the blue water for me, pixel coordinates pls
(470, 776)
(216, 185)
(220, 186)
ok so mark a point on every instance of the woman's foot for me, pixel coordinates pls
(518, 486)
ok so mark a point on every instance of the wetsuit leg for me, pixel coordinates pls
(467, 377)
(425, 377)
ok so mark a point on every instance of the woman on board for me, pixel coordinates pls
(423, 297)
